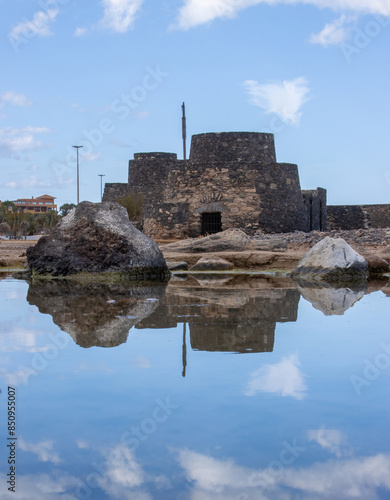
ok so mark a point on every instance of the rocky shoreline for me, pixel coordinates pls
(363, 239)
(265, 251)
(274, 251)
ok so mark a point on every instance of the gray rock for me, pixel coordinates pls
(376, 265)
(212, 264)
(331, 260)
(97, 237)
(177, 266)
(269, 246)
(231, 239)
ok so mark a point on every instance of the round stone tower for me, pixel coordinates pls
(245, 147)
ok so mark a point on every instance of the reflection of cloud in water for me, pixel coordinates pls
(53, 486)
(358, 478)
(19, 376)
(330, 300)
(331, 440)
(14, 337)
(119, 475)
(43, 450)
(284, 378)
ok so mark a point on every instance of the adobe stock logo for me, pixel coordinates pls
(362, 38)
(372, 370)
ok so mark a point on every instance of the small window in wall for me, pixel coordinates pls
(211, 223)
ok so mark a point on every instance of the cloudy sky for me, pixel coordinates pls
(111, 76)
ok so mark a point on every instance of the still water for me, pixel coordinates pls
(233, 388)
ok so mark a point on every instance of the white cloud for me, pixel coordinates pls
(284, 99)
(13, 140)
(140, 115)
(39, 25)
(334, 33)
(196, 12)
(43, 450)
(332, 440)
(284, 378)
(14, 98)
(358, 478)
(80, 32)
(27, 182)
(119, 15)
(90, 157)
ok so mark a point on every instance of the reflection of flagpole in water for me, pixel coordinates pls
(184, 351)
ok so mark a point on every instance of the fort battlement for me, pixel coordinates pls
(231, 180)
(240, 147)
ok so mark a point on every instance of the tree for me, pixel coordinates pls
(14, 221)
(66, 208)
(4, 228)
(23, 228)
(133, 203)
(5, 207)
(8, 204)
(48, 220)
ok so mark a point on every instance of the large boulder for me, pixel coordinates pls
(331, 260)
(97, 237)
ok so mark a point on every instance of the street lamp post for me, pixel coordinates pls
(101, 185)
(78, 177)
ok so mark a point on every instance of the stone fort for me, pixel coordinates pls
(232, 180)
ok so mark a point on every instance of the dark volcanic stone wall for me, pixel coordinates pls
(113, 191)
(315, 205)
(148, 174)
(241, 147)
(281, 204)
(346, 217)
(231, 174)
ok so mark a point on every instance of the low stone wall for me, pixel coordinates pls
(343, 217)
(115, 190)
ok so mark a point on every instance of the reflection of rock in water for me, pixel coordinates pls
(330, 300)
(237, 316)
(95, 314)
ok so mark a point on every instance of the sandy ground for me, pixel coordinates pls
(13, 252)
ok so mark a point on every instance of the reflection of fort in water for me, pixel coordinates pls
(232, 314)
(238, 315)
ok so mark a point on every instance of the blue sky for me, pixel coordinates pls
(111, 76)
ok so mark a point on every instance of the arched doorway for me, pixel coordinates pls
(211, 223)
